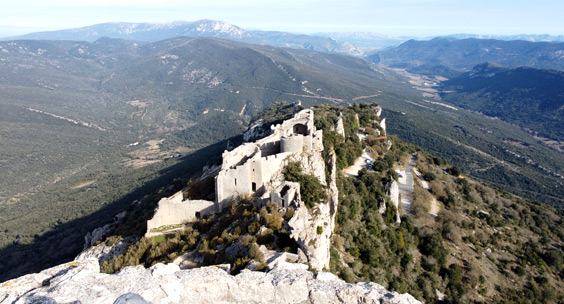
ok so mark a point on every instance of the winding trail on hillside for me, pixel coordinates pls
(405, 183)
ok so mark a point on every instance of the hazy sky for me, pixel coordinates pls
(394, 17)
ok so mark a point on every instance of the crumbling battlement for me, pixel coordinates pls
(249, 169)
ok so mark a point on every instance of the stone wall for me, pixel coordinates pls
(285, 194)
(249, 178)
(249, 168)
(294, 143)
(258, 168)
(237, 156)
(173, 210)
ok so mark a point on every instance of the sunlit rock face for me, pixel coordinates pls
(81, 282)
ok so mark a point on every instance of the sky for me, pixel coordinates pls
(390, 17)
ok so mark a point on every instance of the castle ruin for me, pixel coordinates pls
(252, 169)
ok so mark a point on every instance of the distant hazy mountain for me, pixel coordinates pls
(531, 38)
(140, 31)
(366, 39)
(449, 54)
(151, 32)
(532, 98)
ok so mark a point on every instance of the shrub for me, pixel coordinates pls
(429, 176)
(454, 171)
(433, 245)
(274, 220)
(206, 252)
(450, 232)
(319, 230)
(239, 265)
(311, 190)
(289, 213)
(253, 228)
(519, 270)
(421, 201)
(265, 237)
(254, 253)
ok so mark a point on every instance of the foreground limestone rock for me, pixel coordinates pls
(82, 282)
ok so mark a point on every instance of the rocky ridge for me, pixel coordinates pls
(82, 282)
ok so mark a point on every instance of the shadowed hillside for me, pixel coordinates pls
(530, 98)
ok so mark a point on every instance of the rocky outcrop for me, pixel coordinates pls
(99, 233)
(339, 126)
(82, 282)
(312, 231)
(378, 110)
(257, 130)
(312, 228)
(383, 125)
(388, 144)
(392, 190)
(105, 251)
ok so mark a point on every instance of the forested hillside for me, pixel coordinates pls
(530, 98)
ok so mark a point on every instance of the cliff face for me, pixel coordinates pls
(81, 282)
(313, 228)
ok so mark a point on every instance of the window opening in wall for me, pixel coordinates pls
(198, 215)
(235, 182)
(254, 186)
(299, 129)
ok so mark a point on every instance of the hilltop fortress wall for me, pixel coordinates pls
(254, 168)
(249, 169)
(174, 210)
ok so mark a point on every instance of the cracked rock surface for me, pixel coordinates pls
(82, 282)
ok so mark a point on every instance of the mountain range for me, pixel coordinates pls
(377, 47)
(85, 113)
(448, 56)
(524, 37)
(151, 32)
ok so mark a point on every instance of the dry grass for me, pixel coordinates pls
(422, 200)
